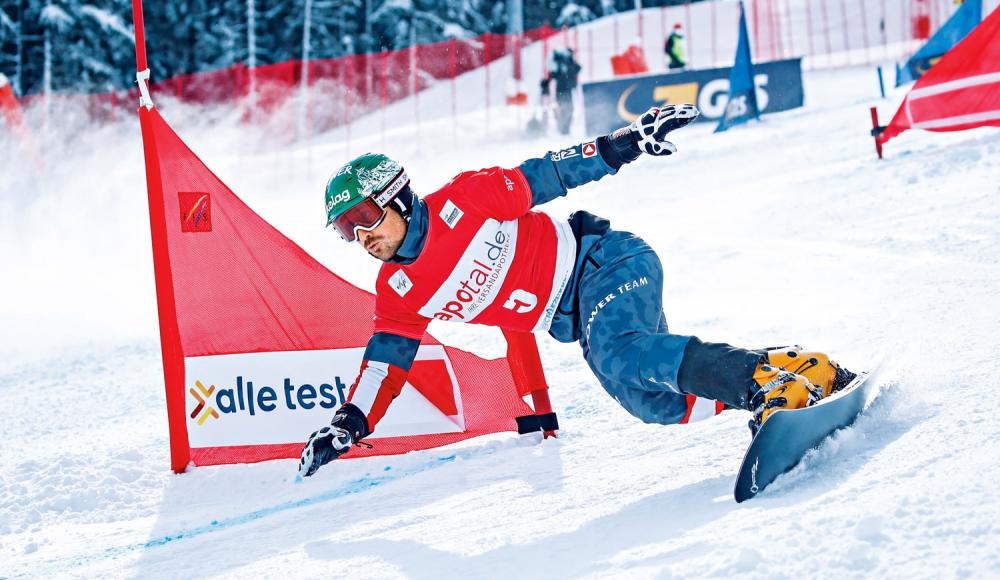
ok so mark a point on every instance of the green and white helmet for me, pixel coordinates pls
(358, 193)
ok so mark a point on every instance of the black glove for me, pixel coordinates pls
(349, 425)
(648, 132)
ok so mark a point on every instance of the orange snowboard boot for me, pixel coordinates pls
(776, 389)
(816, 367)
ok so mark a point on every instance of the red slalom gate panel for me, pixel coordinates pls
(261, 342)
(961, 91)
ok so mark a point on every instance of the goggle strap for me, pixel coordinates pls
(393, 189)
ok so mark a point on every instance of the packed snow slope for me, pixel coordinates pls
(786, 231)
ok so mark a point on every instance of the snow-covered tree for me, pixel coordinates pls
(10, 46)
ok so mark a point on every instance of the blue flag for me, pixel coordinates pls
(742, 104)
(958, 26)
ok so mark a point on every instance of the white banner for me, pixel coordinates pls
(281, 397)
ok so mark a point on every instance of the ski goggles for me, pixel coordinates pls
(366, 215)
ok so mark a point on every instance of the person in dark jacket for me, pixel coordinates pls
(565, 72)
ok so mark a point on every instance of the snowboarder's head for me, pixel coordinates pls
(369, 201)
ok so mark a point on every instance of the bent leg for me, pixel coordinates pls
(625, 337)
(628, 345)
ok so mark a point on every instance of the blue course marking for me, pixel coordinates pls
(357, 486)
(351, 488)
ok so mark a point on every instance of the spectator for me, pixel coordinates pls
(565, 72)
(675, 48)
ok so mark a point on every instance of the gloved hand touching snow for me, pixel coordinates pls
(349, 425)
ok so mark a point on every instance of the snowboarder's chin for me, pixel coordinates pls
(381, 249)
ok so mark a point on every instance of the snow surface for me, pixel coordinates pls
(785, 231)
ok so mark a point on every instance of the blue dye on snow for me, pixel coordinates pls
(351, 488)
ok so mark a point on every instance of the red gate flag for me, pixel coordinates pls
(261, 342)
(961, 91)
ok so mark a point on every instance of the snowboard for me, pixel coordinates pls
(785, 438)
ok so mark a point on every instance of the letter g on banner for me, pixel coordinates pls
(712, 100)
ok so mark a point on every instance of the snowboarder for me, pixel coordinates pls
(674, 48)
(565, 72)
(475, 251)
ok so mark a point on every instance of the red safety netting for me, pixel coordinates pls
(825, 32)
(363, 82)
(961, 91)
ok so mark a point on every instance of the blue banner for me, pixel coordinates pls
(742, 103)
(958, 26)
(614, 103)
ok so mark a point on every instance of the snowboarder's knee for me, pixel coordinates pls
(655, 407)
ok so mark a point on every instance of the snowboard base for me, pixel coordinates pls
(785, 438)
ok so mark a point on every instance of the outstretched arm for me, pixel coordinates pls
(557, 172)
(386, 364)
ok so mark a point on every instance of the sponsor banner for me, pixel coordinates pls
(611, 104)
(280, 397)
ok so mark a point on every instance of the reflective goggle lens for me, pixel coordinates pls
(367, 216)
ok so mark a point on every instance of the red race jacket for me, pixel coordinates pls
(487, 259)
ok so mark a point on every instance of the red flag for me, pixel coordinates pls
(261, 342)
(961, 91)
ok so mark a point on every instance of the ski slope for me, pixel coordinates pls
(787, 231)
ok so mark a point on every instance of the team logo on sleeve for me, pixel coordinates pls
(565, 154)
(590, 149)
(400, 282)
(451, 214)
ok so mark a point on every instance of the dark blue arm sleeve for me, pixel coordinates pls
(393, 349)
(559, 171)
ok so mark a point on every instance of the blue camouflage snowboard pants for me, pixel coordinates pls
(623, 331)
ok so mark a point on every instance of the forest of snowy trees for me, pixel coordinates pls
(76, 46)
